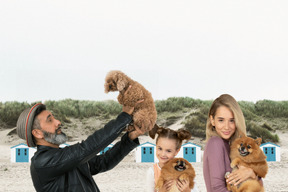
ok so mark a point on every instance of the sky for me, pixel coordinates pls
(54, 50)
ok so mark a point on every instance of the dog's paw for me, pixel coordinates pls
(183, 177)
(233, 164)
(157, 187)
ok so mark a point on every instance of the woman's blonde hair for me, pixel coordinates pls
(229, 102)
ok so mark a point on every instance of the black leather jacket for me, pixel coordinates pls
(71, 168)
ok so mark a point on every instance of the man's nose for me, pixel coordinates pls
(58, 123)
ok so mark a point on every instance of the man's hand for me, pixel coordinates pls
(136, 133)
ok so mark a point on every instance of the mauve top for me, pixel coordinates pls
(216, 163)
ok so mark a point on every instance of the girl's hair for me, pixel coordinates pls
(178, 135)
(229, 102)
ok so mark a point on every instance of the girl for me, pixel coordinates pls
(168, 144)
(225, 123)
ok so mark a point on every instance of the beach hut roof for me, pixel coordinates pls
(269, 143)
(189, 143)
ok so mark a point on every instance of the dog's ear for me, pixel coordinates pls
(258, 141)
(122, 81)
(121, 85)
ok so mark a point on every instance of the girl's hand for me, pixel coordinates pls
(167, 186)
(183, 185)
(240, 175)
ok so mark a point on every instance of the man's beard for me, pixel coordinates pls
(55, 138)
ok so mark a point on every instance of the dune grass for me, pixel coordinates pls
(262, 117)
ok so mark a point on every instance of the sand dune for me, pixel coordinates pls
(128, 175)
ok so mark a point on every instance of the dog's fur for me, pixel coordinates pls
(145, 112)
(246, 151)
(169, 172)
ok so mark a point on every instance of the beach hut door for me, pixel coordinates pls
(147, 154)
(270, 153)
(190, 154)
(22, 155)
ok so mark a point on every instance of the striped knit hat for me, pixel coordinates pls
(25, 123)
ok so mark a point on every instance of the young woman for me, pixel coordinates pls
(168, 144)
(225, 123)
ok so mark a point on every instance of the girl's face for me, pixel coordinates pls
(165, 150)
(224, 122)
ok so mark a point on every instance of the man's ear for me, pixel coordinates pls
(37, 133)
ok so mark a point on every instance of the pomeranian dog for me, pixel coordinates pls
(176, 169)
(246, 151)
(145, 113)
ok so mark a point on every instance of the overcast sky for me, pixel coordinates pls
(53, 49)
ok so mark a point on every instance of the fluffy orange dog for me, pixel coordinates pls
(177, 168)
(246, 151)
(144, 113)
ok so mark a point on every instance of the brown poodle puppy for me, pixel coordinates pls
(145, 113)
(246, 151)
(176, 169)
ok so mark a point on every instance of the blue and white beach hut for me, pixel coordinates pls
(146, 153)
(272, 151)
(191, 152)
(22, 153)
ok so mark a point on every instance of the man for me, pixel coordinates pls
(71, 168)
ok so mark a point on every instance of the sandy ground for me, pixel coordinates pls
(128, 175)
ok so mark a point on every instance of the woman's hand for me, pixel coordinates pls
(183, 185)
(240, 175)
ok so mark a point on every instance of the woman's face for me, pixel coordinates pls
(224, 122)
(165, 150)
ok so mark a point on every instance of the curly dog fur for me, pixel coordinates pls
(145, 112)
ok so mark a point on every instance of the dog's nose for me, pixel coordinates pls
(182, 163)
(242, 148)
